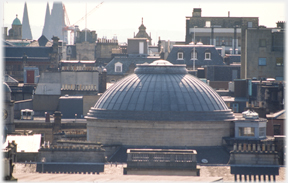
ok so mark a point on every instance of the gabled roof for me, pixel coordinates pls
(216, 59)
(126, 63)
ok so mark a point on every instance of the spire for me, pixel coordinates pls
(142, 20)
(26, 30)
(46, 28)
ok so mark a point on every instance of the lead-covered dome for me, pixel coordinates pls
(161, 91)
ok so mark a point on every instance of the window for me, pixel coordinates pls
(69, 50)
(235, 107)
(141, 47)
(262, 132)
(180, 56)
(250, 24)
(279, 61)
(227, 40)
(207, 56)
(193, 56)
(118, 67)
(208, 24)
(246, 131)
(262, 42)
(42, 138)
(277, 129)
(262, 61)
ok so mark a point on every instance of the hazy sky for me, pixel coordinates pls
(162, 18)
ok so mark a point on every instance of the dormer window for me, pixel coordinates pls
(207, 56)
(193, 56)
(118, 67)
(180, 56)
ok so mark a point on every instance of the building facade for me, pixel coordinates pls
(263, 53)
(217, 30)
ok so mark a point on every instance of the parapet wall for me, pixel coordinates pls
(254, 154)
(84, 153)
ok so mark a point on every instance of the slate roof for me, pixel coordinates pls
(127, 62)
(216, 59)
(234, 58)
(161, 92)
(39, 53)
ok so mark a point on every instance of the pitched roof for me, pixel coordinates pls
(277, 115)
(126, 63)
(216, 59)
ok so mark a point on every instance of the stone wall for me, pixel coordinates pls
(104, 48)
(249, 62)
(252, 154)
(157, 133)
(72, 154)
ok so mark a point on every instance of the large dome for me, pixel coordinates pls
(161, 91)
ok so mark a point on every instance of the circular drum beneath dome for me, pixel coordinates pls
(160, 105)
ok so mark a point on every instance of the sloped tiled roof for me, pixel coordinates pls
(127, 62)
(216, 59)
(31, 52)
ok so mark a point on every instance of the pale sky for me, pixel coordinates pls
(162, 18)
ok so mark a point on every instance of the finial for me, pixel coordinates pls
(16, 15)
(142, 20)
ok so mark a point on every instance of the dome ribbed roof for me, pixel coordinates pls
(161, 91)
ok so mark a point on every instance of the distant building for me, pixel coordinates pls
(26, 30)
(18, 57)
(124, 63)
(137, 46)
(263, 52)
(16, 31)
(204, 55)
(120, 67)
(104, 50)
(143, 34)
(54, 22)
(214, 30)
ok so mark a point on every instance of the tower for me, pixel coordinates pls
(142, 33)
(26, 31)
(54, 22)
(46, 27)
(16, 31)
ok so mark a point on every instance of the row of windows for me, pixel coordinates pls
(263, 61)
(180, 56)
(228, 40)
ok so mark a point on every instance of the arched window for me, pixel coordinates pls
(69, 50)
(118, 67)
